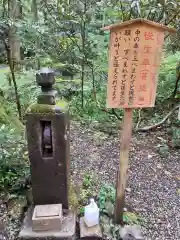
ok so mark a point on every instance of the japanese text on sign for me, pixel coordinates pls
(133, 73)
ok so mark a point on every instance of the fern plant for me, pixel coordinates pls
(8, 117)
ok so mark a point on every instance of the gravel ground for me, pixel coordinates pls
(153, 189)
(153, 184)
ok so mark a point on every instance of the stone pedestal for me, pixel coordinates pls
(67, 230)
(49, 171)
(47, 124)
(89, 233)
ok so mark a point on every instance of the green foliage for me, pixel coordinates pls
(81, 211)
(94, 110)
(14, 168)
(72, 197)
(107, 194)
(164, 150)
(88, 180)
(111, 230)
(87, 190)
(176, 137)
(67, 36)
(167, 76)
(7, 115)
(131, 218)
(106, 204)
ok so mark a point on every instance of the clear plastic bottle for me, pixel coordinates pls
(91, 214)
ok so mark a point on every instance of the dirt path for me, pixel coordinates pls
(153, 185)
(153, 190)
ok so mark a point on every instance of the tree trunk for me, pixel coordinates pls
(4, 14)
(34, 9)
(14, 10)
(176, 86)
(44, 2)
(12, 70)
(83, 36)
(93, 83)
(83, 62)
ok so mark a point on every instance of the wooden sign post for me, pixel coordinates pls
(135, 51)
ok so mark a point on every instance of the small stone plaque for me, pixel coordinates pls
(47, 217)
(48, 210)
(88, 233)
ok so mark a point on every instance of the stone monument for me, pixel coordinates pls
(47, 125)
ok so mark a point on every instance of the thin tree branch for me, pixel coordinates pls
(113, 113)
(167, 36)
(68, 35)
(176, 85)
(12, 69)
(175, 15)
(149, 13)
(122, 11)
(160, 16)
(148, 128)
(139, 118)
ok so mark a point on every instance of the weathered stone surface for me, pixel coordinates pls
(67, 231)
(131, 233)
(45, 78)
(89, 233)
(50, 175)
(47, 217)
(47, 128)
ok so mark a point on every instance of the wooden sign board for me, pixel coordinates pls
(134, 57)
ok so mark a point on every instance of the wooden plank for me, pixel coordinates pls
(141, 21)
(123, 165)
(134, 59)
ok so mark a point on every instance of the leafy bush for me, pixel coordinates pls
(90, 112)
(14, 167)
(107, 194)
(167, 76)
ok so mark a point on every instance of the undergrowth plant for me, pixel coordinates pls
(14, 167)
(176, 137)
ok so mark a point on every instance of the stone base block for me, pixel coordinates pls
(131, 233)
(47, 217)
(89, 233)
(67, 230)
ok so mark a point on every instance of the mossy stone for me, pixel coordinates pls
(73, 200)
(62, 104)
(47, 109)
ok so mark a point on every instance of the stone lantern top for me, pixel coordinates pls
(45, 79)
